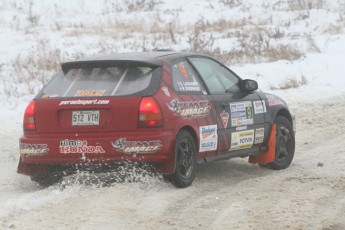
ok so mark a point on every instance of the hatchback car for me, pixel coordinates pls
(172, 110)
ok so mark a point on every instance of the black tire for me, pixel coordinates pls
(285, 144)
(186, 161)
(46, 180)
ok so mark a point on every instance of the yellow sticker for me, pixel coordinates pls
(89, 93)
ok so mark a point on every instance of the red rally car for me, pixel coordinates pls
(173, 110)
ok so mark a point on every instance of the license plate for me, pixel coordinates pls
(90, 117)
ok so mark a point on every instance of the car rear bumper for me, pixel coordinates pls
(52, 150)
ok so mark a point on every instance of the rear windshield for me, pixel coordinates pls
(105, 81)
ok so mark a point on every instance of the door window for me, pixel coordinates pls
(217, 78)
(185, 79)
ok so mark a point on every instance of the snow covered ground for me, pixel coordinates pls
(231, 194)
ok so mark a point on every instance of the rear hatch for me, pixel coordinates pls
(95, 97)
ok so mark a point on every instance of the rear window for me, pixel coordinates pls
(104, 81)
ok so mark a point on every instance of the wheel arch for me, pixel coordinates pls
(192, 131)
(284, 113)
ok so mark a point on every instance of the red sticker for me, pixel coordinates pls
(225, 118)
(183, 70)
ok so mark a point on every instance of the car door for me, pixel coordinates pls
(194, 106)
(241, 115)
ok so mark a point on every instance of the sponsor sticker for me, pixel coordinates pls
(166, 91)
(78, 146)
(225, 118)
(242, 140)
(182, 70)
(33, 149)
(89, 93)
(240, 128)
(259, 135)
(208, 138)
(124, 146)
(189, 109)
(273, 100)
(241, 113)
(259, 107)
(188, 86)
(85, 102)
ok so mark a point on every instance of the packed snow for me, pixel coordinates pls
(230, 194)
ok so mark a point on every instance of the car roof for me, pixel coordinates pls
(154, 58)
(143, 55)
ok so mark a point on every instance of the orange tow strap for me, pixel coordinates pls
(270, 154)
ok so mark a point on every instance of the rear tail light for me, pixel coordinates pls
(29, 120)
(150, 114)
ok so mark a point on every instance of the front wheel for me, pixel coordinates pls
(285, 144)
(186, 161)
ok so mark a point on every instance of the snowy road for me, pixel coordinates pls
(229, 194)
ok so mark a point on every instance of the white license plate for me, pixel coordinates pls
(90, 117)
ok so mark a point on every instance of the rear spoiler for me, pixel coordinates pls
(108, 63)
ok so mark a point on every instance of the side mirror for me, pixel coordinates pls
(248, 85)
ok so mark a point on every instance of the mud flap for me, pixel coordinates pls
(269, 155)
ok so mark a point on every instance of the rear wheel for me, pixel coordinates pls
(47, 180)
(186, 161)
(285, 144)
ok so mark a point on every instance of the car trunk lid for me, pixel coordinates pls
(87, 115)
